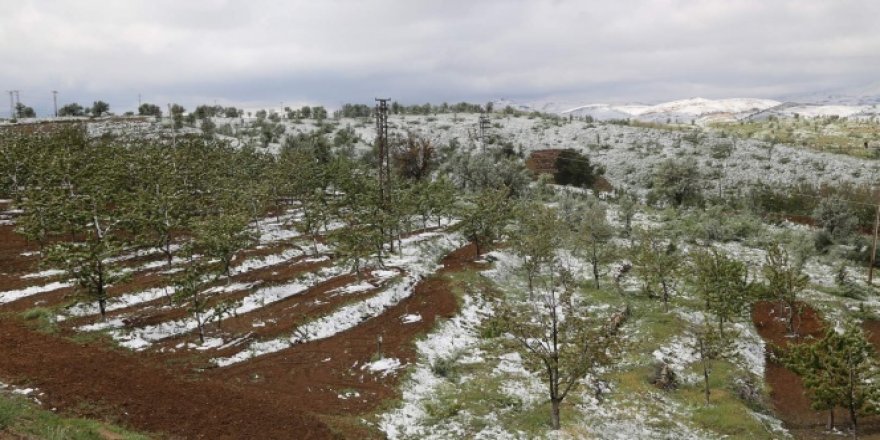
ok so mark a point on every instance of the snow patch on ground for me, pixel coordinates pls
(13, 295)
(418, 259)
(384, 366)
(456, 335)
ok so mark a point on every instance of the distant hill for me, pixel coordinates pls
(857, 102)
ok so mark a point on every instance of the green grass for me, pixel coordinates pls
(726, 414)
(22, 419)
(41, 319)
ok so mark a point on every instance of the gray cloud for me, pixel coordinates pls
(265, 52)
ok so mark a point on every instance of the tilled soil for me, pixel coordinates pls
(294, 393)
(787, 393)
(124, 388)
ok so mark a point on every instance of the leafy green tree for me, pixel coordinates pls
(836, 218)
(146, 109)
(677, 182)
(319, 113)
(177, 112)
(23, 111)
(594, 235)
(536, 238)
(557, 337)
(91, 209)
(784, 282)
(659, 265)
(574, 168)
(710, 345)
(839, 370)
(72, 109)
(722, 283)
(189, 290)
(627, 209)
(414, 159)
(222, 236)
(99, 108)
(306, 112)
(483, 220)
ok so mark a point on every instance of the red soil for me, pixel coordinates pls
(290, 394)
(787, 393)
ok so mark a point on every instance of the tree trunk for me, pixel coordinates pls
(705, 370)
(554, 418)
(852, 400)
(201, 328)
(831, 418)
(596, 272)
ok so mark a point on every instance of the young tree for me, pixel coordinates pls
(627, 209)
(414, 159)
(557, 337)
(189, 290)
(722, 284)
(677, 182)
(836, 218)
(483, 220)
(90, 216)
(784, 282)
(839, 370)
(594, 237)
(709, 345)
(223, 235)
(536, 238)
(658, 263)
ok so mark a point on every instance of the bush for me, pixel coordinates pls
(678, 182)
(575, 169)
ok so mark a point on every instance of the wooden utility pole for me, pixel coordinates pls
(384, 158)
(874, 246)
(15, 107)
(484, 126)
(55, 101)
(382, 145)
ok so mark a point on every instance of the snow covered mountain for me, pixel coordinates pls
(859, 104)
(677, 111)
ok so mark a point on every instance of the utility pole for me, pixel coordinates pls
(55, 101)
(382, 144)
(484, 126)
(874, 246)
(384, 155)
(17, 102)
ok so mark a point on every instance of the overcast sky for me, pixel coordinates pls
(262, 53)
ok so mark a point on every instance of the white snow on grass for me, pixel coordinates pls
(456, 335)
(417, 258)
(14, 295)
